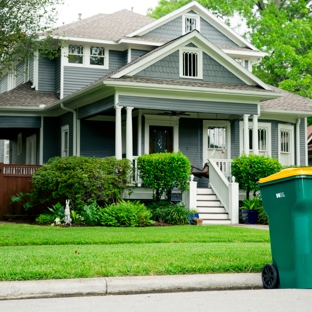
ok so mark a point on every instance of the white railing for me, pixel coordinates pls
(224, 186)
(136, 179)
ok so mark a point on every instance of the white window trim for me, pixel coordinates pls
(197, 17)
(165, 121)
(86, 56)
(6, 152)
(199, 59)
(289, 128)
(30, 160)
(216, 123)
(19, 144)
(63, 130)
(265, 125)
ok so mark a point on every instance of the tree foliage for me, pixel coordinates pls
(281, 28)
(21, 24)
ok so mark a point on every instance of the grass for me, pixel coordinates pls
(29, 252)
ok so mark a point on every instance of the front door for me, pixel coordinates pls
(286, 144)
(161, 139)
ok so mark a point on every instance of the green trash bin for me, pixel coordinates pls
(287, 200)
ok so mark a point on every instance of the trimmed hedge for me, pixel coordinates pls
(163, 171)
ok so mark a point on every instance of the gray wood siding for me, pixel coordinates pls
(168, 68)
(274, 137)
(187, 105)
(58, 76)
(51, 138)
(303, 143)
(75, 78)
(22, 122)
(214, 72)
(4, 84)
(135, 53)
(170, 30)
(97, 138)
(66, 119)
(46, 72)
(20, 73)
(96, 107)
(235, 138)
(213, 34)
(31, 70)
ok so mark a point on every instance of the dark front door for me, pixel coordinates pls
(161, 139)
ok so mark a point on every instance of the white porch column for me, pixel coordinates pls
(118, 134)
(255, 139)
(129, 142)
(298, 142)
(246, 135)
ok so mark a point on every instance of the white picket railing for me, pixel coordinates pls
(224, 186)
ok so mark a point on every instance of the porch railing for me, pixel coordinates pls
(224, 186)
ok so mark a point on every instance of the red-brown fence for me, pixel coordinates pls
(14, 179)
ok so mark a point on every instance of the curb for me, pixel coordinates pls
(128, 285)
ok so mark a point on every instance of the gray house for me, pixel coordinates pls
(133, 85)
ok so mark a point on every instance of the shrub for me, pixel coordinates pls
(164, 211)
(81, 179)
(248, 169)
(45, 218)
(163, 171)
(90, 213)
(125, 213)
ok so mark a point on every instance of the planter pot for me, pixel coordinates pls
(192, 216)
(252, 216)
(244, 216)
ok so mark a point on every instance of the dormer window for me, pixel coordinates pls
(191, 63)
(97, 55)
(75, 54)
(190, 22)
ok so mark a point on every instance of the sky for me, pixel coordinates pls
(71, 8)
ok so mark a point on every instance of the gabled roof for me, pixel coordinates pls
(204, 13)
(110, 27)
(24, 96)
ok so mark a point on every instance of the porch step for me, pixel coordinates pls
(210, 208)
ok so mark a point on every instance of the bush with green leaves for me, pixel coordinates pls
(163, 171)
(83, 180)
(248, 169)
(90, 213)
(125, 213)
(167, 212)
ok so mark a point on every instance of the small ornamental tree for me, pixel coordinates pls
(83, 180)
(164, 171)
(248, 169)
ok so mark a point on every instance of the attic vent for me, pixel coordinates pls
(190, 22)
(190, 64)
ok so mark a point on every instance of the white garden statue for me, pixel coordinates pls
(68, 219)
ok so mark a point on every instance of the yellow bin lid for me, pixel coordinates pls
(286, 173)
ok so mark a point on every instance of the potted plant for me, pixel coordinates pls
(252, 206)
(193, 216)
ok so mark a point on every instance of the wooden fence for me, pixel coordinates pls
(14, 179)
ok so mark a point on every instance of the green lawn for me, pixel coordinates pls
(30, 252)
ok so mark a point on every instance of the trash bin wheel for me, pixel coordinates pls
(269, 276)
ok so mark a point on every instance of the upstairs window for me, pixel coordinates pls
(75, 54)
(97, 55)
(190, 22)
(190, 63)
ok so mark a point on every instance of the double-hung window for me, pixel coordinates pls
(191, 63)
(97, 56)
(75, 54)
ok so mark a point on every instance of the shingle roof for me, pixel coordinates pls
(105, 26)
(289, 102)
(25, 96)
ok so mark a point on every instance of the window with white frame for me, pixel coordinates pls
(97, 55)
(65, 141)
(264, 138)
(190, 22)
(6, 159)
(285, 141)
(75, 54)
(191, 63)
(244, 63)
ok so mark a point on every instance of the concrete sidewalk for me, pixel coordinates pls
(128, 285)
